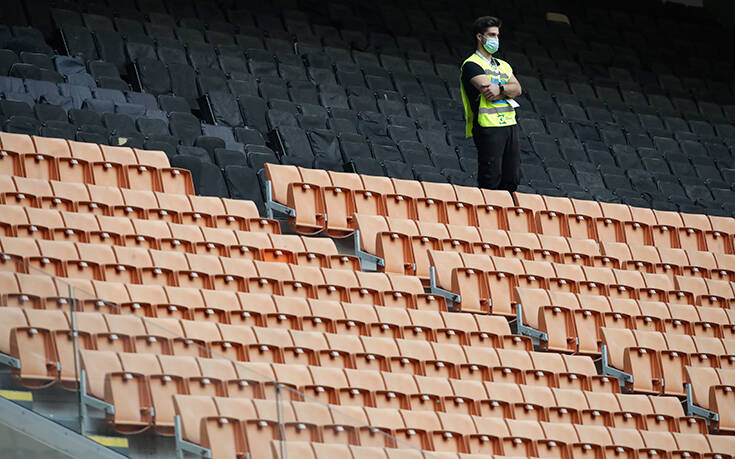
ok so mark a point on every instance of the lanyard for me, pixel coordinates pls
(494, 66)
(490, 62)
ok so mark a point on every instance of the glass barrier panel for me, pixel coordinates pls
(107, 358)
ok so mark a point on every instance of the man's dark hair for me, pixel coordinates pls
(483, 23)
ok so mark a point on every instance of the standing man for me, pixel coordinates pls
(488, 87)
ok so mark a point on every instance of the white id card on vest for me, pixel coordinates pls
(513, 103)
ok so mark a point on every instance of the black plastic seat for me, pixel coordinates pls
(325, 148)
(253, 110)
(367, 166)
(296, 147)
(199, 153)
(154, 77)
(185, 126)
(78, 40)
(398, 169)
(184, 83)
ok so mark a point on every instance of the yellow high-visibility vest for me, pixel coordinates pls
(490, 113)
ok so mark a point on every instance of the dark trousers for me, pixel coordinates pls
(498, 157)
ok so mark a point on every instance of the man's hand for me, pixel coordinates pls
(490, 91)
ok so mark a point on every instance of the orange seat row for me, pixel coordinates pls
(311, 450)
(61, 258)
(161, 267)
(84, 227)
(332, 384)
(656, 361)
(326, 200)
(69, 161)
(406, 242)
(108, 373)
(486, 284)
(254, 426)
(572, 321)
(712, 389)
(110, 201)
(670, 261)
(609, 222)
(372, 388)
(491, 399)
(35, 347)
(172, 269)
(295, 314)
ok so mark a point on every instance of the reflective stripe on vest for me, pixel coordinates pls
(494, 110)
(503, 76)
(490, 113)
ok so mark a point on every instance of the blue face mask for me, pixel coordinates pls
(491, 45)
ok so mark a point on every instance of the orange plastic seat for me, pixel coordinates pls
(323, 247)
(155, 158)
(692, 231)
(618, 251)
(458, 212)
(39, 166)
(70, 169)
(472, 197)
(337, 201)
(636, 222)
(281, 176)
(582, 222)
(340, 206)
(300, 194)
(47, 224)
(222, 436)
(141, 175)
(34, 193)
(36, 350)
(352, 182)
(191, 409)
(644, 258)
(104, 172)
(666, 229)
(71, 196)
(355, 197)
(76, 226)
(205, 211)
(169, 207)
(428, 209)
(522, 245)
(547, 222)
(171, 179)
(403, 237)
(57, 255)
(720, 238)
(97, 365)
(488, 213)
(621, 213)
(247, 213)
(105, 200)
(552, 219)
(521, 219)
(712, 389)
(19, 143)
(624, 353)
(8, 192)
(607, 226)
(216, 241)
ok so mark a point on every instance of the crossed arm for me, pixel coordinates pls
(491, 91)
